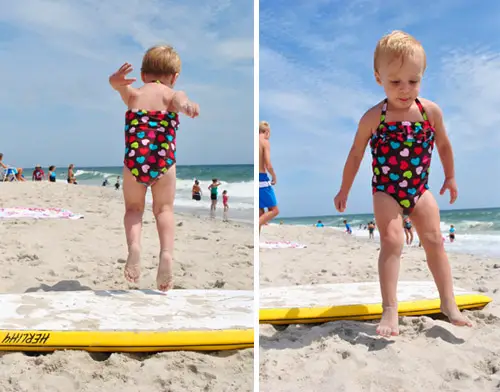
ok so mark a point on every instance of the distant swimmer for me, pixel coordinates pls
(267, 198)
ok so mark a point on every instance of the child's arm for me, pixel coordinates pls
(443, 143)
(445, 150)
(181, 104)
(123, 85)
(357, 151)
(266, 146)
(355, 157)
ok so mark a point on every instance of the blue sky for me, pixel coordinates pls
(57, 56)
(316, 80)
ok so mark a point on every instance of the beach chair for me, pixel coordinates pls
(9, 174)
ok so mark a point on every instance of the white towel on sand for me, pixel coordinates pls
(280, 245)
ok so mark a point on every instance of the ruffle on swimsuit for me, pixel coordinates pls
(150, 143)
(402, 152)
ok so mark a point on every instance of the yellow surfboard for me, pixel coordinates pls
(127, 320)
(353, 301)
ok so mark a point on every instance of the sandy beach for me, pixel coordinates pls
(429, 355)
(89, 253)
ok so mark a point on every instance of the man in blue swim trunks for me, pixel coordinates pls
(267, 198)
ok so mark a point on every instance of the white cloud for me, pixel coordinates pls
(471, 95)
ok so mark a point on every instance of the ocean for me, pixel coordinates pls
(236, 179)
(477, 230)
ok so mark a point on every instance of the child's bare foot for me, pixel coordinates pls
(164, 279)
(133, 266)
(389, 324)
(450, 310)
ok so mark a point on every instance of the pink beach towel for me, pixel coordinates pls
(37, 213)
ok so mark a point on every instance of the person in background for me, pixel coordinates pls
(371, 230)
(38, 174)
(213, 187)
(348, 229)
(71, 175)
(267, 197)
(16, 171)
(408, 230)
(105, 182)
(52, 173)
(319, 224)
(117, 183)
(196, 191)
(225, 199)
(452, 233)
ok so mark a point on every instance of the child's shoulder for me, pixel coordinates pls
(371, 118)
(434, 112)
(428, 104)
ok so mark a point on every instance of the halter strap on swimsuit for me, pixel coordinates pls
(401, 152)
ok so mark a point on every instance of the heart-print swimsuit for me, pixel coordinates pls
(150, 143)
(401, 152)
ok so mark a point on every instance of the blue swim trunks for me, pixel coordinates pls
(266, 193)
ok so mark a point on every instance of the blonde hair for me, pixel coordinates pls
(161, 60)
(264, 127)
(397, 44)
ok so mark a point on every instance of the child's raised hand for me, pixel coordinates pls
(119, 80)
(340, 201)
(451, 185)
(192, 109)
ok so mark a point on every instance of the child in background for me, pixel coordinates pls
(348, 229)
(452, 233)
(151, 124)
(402, 130)
(117, 183)
(225, 199)
(52, 173)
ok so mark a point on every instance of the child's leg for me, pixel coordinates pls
(163, 209)
(426, 219)
(389, 217)
(134, 195)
